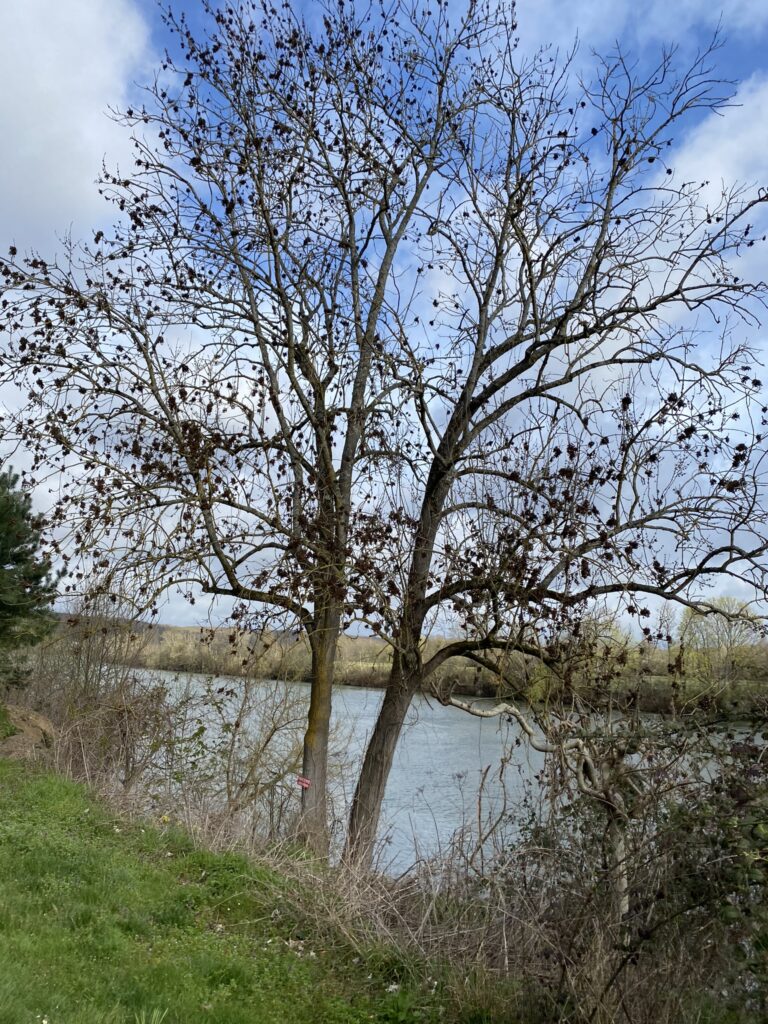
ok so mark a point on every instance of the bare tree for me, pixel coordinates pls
(716, 640)
(400, 328)
(217, 379)
(586, 404)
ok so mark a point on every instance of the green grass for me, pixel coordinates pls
(6, 729)
(103, 922)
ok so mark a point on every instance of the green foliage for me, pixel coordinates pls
(26, 585)
(695, 854)
(6, 728)
(721, 871)
(105, 921)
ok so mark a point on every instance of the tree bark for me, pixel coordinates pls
(313, 822)
(617, 857)
(371, 784)
(406, 675)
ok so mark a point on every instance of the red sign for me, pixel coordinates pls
(304, 782)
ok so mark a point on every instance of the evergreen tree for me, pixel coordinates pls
(26, 585)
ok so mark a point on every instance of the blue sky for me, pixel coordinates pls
(63, 63)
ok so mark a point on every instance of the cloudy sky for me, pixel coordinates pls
(64, 63)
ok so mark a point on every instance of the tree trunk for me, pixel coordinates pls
(313, 823)
(617, 859)
(369, 793)
(406, 675)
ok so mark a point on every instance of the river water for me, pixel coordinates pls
(442, 758)
(452, 771)
(445, 761)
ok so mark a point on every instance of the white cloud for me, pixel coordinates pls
(659, 19)
(731, 147)
(599, 23)
(61, 65)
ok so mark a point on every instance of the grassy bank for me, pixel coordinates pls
(105, 922)
(361, 661)
(366, 661)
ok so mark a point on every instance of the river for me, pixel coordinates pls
(436, 776)
(445, 759)
(442, 758)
